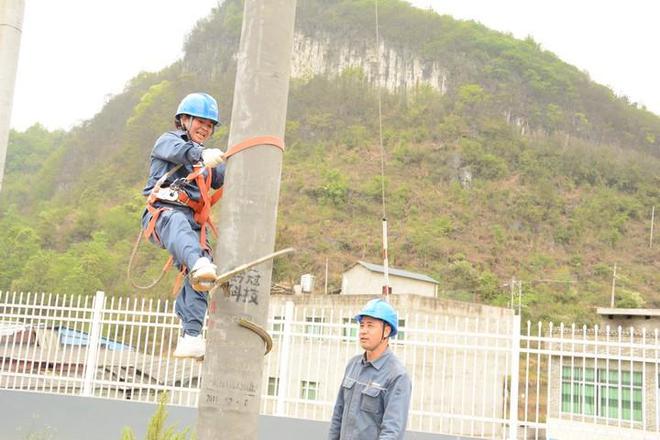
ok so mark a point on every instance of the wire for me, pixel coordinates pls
(380, 114)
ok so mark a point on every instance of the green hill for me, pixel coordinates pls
(523, 167)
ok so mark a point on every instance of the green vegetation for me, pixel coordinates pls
(156, 430)
(524, 168)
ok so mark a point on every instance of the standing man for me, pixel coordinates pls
(374, 397)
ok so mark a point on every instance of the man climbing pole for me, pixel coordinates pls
(181, 176)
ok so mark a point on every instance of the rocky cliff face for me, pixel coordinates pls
(398, 69)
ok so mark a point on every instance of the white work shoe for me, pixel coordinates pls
(190, 347)
(203, 275)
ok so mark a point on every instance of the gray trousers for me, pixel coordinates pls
(179, 234)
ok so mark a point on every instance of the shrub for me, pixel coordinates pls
(156, 429)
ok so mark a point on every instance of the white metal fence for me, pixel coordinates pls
(566, 379)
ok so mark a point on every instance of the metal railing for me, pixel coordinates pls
(461, 366)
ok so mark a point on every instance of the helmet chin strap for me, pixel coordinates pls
(189, 127)
(190, 118)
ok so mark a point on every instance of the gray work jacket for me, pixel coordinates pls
(174, 148)
(373, 400)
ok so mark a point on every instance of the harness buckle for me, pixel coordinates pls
(169, 194)
(178, 184)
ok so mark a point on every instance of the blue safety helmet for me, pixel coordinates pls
(200, 105)
(380, 309)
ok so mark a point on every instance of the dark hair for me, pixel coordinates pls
(177, 122)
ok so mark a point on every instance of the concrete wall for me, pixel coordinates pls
(407, 306)
(55, 417)
(637, 322)
(574, 430)
(361, 281)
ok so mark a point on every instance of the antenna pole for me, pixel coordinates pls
(387, 289)
(386, 265)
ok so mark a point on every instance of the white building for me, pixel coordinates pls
(367, 279)
(457, 355)
(609, 382)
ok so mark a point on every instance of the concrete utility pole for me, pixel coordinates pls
(231, 387)
(11, 27)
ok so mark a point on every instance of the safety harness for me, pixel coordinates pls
(176, 195)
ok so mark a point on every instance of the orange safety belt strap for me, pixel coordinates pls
(202, 208)
(151, 227)
(255, 142)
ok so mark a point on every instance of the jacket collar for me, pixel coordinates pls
(377, 363)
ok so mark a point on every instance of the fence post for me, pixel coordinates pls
(93, 344)
(283, 376)
(514, 373)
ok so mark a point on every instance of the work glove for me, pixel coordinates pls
(212, 157)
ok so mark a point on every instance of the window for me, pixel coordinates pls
(273, 386)
(314, 326)
(578, 392)
(308, 390)
(349, 330)
(401, 335)
(621, 397)
(278, 324)
(602, 392)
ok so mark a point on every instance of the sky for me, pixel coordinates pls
(76, 53)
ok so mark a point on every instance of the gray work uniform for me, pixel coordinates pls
(176, 228)
(373, 400)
